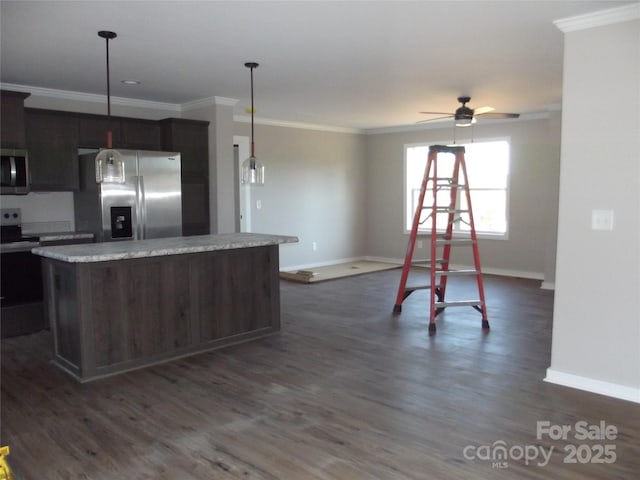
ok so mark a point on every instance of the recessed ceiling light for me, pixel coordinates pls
(131, 82)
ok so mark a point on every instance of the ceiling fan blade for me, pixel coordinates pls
(432, 119)
(437, 113)
(482, 110)
(499, 115)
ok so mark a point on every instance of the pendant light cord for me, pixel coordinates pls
(108, 84)
(251, 66)
(253, 147)
(107, 35)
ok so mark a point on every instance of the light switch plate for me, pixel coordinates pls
(602, 220)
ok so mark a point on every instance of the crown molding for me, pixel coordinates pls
(599, 19)
(89, 97)
(224, 101)
(208, 102)
(300, 125)
(230, 102)
(122, 101)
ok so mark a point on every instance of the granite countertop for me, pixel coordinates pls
(108, 251)
(57, 236)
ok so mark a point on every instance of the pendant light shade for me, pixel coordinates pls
(252, 168)
(109, 162)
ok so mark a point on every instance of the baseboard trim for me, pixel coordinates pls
(608, 389)
(548, 285)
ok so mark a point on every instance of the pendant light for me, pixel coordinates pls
(252, 168)
(109, 162)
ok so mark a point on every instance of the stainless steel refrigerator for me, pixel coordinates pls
(129, 195)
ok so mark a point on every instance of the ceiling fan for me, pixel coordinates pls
(465, 116)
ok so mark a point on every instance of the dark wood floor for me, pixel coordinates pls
(346, 391)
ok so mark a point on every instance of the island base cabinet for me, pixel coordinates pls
(110, 317)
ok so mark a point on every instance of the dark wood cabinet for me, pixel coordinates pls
(191, 139)
(54, 137)
(139, 134)
(52, 142)
(12, 133)
(92, 130)
(129, 133)
(108, 317)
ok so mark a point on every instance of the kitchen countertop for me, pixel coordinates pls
(47, 237)
(108, 251)
(58, 236)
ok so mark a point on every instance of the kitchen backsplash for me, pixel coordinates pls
(43, 212)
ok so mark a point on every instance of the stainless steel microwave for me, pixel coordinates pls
(15, 172)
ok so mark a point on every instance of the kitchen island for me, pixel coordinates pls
(118, 306)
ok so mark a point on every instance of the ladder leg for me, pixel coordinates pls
(402, 293)
(433, 245)
(476, 254)
(453, 201)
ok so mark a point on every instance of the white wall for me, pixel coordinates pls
(551, 198)
(532, 195)
(43, 211)
(315, 188)
(596, 320)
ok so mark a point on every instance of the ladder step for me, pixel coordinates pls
(455, 241)
(459, 303)
(448, 210)
(420, 263)
(451, 273)
(446, 182)
(419, 287)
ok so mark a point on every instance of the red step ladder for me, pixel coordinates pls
(442, 243)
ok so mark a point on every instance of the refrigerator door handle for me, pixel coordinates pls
(14, 171)
(138, 221)
(142, 203)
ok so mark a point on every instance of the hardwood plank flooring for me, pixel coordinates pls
(347, 390)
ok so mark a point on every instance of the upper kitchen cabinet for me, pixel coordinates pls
(139, 134)
(191, 139)
(52, 143)
(92, 130)
(12, 133)
(129, 133)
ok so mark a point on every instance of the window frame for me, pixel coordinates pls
(456, 231)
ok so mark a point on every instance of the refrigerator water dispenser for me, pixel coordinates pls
(121, 224)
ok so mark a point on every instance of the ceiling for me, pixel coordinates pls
(359, 65)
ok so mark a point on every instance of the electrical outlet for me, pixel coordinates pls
(602, 220)
(314, 246)
(258, 204)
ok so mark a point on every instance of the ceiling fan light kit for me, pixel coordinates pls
(465, 116)
(252, 168)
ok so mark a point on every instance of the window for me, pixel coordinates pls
(488, 170)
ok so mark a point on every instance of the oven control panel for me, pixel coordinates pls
(10, 216)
